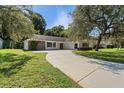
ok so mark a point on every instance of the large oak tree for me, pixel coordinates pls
(100, 19)
(14, 25)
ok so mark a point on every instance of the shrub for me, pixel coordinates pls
(34, 45)
(19, 45)
(86, 48)
(100, 47)
(6, 44)
(110, 46)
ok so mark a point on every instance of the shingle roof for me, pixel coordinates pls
(47, 38)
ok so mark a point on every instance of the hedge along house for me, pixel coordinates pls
(41, 42)
(1, 43)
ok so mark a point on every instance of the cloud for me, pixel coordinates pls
(62, 18)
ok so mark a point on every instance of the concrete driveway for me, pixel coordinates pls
(87, 72)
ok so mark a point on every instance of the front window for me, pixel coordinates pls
(49, 44)
(54, 44)
(85, 45)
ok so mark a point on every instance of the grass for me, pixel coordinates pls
(20, 68)
(113, 55)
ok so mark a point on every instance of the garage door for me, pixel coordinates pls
(41, 45)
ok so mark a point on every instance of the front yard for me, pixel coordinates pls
(26, 69)
(113, 55)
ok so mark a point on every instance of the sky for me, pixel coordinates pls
(55, 14)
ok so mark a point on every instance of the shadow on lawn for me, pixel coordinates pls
(17, 61)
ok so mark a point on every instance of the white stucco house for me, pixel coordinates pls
(51, 42)
(1, 43)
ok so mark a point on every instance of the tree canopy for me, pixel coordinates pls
(38, 21)
(99, 18)
(14, 25)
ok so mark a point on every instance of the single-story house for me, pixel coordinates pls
(1, 43)
(42, 42)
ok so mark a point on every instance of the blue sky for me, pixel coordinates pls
(55, 14)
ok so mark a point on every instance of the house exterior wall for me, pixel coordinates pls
(91, 45)
(104, 43)
(1, 43)
(80, 44)
(26, 47)
(84, 44)
(70, 44)
(66, 44)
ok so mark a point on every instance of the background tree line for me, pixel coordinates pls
(58, 31)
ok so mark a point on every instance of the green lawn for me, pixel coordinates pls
(20, 68)
(114, 55)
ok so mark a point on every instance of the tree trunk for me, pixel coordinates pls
(12, 44)
(118, 44)
(98, 43)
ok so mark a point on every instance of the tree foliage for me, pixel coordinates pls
(101, 19)
(38, 21)
(14, 25)
(56, 31)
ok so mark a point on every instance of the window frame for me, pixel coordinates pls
(54, 44)
(85, 45)
(49, 45)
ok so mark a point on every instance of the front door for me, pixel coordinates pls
(75, 45)
(61, 45)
